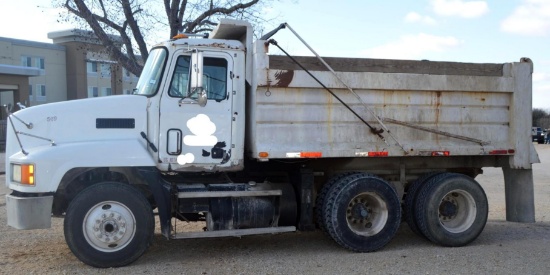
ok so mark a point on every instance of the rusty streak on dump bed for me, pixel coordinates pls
(279, 62)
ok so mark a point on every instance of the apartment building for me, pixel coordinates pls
(74, 66)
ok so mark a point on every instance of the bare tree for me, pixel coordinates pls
(539, 114)
(133, 20)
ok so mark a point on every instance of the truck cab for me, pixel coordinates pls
(195, 91)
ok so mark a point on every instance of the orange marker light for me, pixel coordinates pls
(180, 36)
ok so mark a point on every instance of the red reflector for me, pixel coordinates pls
(378, 154)
(441, 153)
(511, 151)
(498, 152)
(311, 154)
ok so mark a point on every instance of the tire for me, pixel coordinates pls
(362, 212)
(109, 224)
(320, 201)
(451, 209)
(410, 201)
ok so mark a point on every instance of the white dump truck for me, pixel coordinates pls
(222, 133)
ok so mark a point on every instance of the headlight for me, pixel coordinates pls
(22, 173)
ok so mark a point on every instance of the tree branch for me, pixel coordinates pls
(114, 51)
(199, 20)
(138, 37)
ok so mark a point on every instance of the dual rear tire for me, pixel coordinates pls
(361, 212)
(451, 209)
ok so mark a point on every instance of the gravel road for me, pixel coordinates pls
(502, 248)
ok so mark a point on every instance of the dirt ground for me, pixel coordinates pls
(502, 248)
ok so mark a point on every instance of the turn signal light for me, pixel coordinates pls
(23, 173)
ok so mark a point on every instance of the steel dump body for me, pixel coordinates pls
(468, 109)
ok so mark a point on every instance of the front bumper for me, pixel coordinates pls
(29, 212)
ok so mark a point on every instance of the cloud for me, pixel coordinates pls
(460, 8)
(413, 46)
(541, 96)
(413, 17)
(541, 77)
(531, 18)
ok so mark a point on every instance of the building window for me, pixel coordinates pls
(26, 61)
(30, 93)
(39, 63)
(93, 91)
(106, 91)
(91, 67)
(105, 70)
(40, 92)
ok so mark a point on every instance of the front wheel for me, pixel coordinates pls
(109, 225)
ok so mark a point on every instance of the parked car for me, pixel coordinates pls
(538, 134)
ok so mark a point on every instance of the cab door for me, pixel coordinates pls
(194, 137)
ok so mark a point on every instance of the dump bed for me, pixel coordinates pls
(428, 107)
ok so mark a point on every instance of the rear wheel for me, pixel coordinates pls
(109, 225)
(410, 201)
(321, 197)
(451, 209)
(362, 212)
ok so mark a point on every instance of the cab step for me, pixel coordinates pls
(233, 232)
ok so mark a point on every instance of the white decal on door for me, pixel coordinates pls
(187, 158)
(203, 130)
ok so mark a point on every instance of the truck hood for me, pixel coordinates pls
(113, 117)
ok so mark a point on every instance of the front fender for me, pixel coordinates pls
(52, 162)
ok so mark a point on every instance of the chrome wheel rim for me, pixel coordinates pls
(109, 226)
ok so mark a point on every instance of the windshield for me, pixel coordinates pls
(149, 80)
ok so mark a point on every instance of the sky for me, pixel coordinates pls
(489, 31)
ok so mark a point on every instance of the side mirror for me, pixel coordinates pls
(202, 97)
(196, 78)
(196, 70)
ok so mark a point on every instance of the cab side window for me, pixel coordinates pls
(214, 78)
(180, 79)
